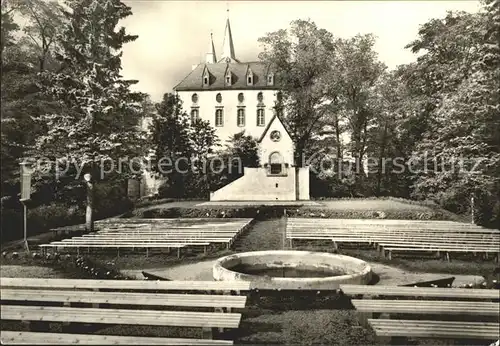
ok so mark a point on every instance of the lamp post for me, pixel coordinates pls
(26, 171)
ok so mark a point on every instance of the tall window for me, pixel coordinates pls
(241, 117)
(260, 117)
(219, 120)
(194, 115)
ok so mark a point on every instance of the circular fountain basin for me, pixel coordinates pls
(281, 269)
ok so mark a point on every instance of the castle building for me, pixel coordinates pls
(235, 96)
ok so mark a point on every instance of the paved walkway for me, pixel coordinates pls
(258, 203)
(388, 275)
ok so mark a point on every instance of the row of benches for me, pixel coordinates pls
(412, 301)
(129, 302)
(389, 237)
(155, 234)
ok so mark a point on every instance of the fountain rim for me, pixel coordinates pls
(365, 271)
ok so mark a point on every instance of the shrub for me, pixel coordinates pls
(110, 200)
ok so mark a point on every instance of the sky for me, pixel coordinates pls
(175, 35)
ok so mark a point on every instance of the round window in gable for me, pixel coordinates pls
(194, 98)
(260, 97)
(241, 97)
(218, 98)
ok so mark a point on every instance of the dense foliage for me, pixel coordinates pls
(66, 107)
(426, 130)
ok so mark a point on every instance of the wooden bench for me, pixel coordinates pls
(395, 231)
(204, 320)
(428, 292)
(153, 299)
(118, 246)
(165, 231)
(388, 249)
(116, 285)
(435, 329)
(34, 338)
(115, 305)
(187, 240)
(427, 307)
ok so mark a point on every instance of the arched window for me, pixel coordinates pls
(276, 163)
(260, 97)
(194, 98)
(260, 117)
(241, 117)
(219, 119)
(218, 98)
(194, 115)
(241, 97)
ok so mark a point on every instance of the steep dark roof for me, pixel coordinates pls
(194, 80)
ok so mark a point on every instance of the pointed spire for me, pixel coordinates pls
(211, 58)
(228, 46)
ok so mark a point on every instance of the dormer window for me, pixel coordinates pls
(250, 77)
(206, 79)
(228, 78)
(270, 79)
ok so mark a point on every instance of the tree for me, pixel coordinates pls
(357, 69)
(21, 97)
(97, 120)
(240, 151)
(44, 19)
(172, 142)
(462, 98)
(301, 56)
(204, 143)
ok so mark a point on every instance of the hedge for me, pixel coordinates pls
(261, 212)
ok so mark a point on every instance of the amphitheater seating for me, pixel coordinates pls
(398, 236)
(438, 303)
(149, 234)
(129, 302)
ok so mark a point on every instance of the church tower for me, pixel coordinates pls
(228, 54)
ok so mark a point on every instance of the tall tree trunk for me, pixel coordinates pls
(337, 139)
(299, 156)
(380, 159)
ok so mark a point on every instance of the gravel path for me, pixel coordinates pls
(388, 275)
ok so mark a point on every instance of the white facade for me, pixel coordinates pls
(207, 105)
